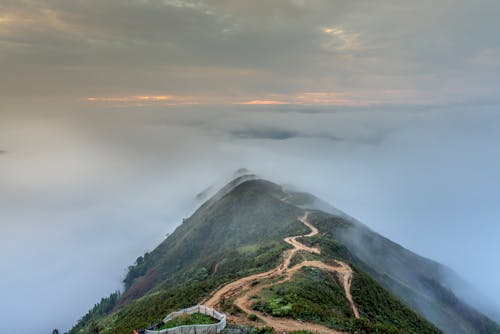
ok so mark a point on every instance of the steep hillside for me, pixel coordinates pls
(421, 283)
(242, 231)
(238, 218)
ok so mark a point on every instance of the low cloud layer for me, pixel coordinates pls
(84, 192)
(115, 114)
(276, 134)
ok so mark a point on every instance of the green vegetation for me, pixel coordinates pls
(153, 307)
(99, 310)
(263, 330)
(239, 233)
(252, 317)
(312, 295)
(189, 319)
(376, 304)
(248, 216)
(416, 281)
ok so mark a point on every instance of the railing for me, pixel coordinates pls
(194, 329)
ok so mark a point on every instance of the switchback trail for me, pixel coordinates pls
(247, 287)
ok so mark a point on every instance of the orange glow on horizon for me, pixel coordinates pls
(145, 100)
(132, 98)
(338, 98)
(263, 102)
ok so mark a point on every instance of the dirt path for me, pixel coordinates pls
(249, 286)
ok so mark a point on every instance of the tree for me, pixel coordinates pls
(94, 328)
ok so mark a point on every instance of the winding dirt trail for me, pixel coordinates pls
(249, 286)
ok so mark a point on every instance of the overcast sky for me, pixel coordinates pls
(114, 114)
(225, 51)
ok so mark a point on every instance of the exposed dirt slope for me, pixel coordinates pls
(248, 286)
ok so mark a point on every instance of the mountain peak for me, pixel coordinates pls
(247, 228)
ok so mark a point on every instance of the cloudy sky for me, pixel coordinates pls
(114, 114)
(222, 51)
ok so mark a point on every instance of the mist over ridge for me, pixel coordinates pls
(134, 177)
(118, 119)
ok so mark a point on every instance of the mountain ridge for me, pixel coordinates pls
(383, 265)
(239, 232)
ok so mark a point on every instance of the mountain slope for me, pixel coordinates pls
(240, 232)
(421, 283)
(251, 214)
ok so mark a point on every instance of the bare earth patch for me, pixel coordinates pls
(243, 289)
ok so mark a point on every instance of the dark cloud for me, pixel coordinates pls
(274, 134)
(277, 134)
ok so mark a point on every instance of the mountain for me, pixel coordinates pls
(245, 252)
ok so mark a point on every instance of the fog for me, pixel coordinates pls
(110, 125)
(83, 192)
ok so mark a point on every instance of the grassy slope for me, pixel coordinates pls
(414, 279)
(246, 216)
(238, 234)
(311, 295)
(316, 296)
(189, 319)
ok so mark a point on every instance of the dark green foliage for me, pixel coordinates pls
(95, 328)
(327, 223)
(481, 323)
(152, 308)
(189, 319)
(377, 305)
(137, 270)
(238, 329)
(417, 281)
(252, 317)
(312, 295)
(100, 309)
(239, 232)
(364, 326)
(251, 214)
(330, 249)
(263, 330)
(316, 296)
